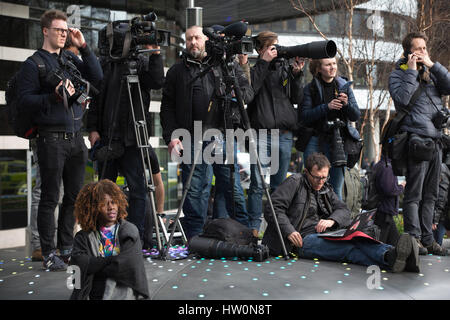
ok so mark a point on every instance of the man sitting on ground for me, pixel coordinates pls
(306, 205)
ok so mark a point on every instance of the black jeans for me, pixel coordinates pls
(59, 158)
(421, 192)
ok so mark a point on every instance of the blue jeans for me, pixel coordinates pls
(195, 206)
(336, 173)
(130, 166)
(439, 233)
(256, 190)
(355, 251)
(240, 207)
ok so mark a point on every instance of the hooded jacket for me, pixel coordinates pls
(297, 207)
(403, 82)
(276, 91)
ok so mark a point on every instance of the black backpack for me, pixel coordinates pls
(370, 196)
(228, 230)
(18, 118)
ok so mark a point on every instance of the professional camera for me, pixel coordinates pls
(67, 70)
(313, 50)
(442, 119)
(233, 41)
(120, 39)
(213, 248)
(337, 152)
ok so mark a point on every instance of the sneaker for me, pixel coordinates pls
(65, 255)
(402, 252)
(436, 249)
(422, 250)
(54, 263)
(413, 262)
(37, 255)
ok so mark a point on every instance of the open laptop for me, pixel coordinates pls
(355, 229)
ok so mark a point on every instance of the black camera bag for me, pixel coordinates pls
(228, 230)
(421, 148)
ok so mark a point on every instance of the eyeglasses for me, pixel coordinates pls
(61, 31)
(325, 179)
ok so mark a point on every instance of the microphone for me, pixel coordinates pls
(237, 29)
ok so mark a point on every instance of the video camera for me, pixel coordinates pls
(120, 39)
(233, 41)
(67, 70)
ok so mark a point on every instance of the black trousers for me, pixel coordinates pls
(59, 158)
(421, 193)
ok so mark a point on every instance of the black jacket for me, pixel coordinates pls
(39, 96)
(442, 205)
(176, 103)
(127, 268)
(387, 187)
(292, 200)
(100, 117)
(276, 90)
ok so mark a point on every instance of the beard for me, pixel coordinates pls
(197, 54)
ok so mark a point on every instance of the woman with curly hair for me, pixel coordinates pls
(108, 248)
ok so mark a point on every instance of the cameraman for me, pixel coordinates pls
(415, 72)
(277, 87)
(62, 153)
(110, 120)
(184, 102)
(324, 106)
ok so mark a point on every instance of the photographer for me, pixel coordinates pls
(62, 153)
(184, 102)
(277, 86)
(328, 109)
(416, 75)
(306, 205)
(110, 120)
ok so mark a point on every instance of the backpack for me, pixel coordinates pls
(370, 196)
(21, 121)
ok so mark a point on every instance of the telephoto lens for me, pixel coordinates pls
(213, 248)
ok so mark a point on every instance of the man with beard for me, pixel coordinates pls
(183, 102)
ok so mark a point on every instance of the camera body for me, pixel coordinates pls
(442, 119)
(121, 38)
(337, 152)
(67, 70)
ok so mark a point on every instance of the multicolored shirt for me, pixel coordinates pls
(108, 246)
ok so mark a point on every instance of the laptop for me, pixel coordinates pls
(355, 229)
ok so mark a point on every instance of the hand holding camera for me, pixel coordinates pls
(343, 98)
(68, 87)
(269, 54)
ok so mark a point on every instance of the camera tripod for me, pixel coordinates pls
(228, 85)
(130, 79)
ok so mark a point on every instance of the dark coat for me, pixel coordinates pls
(39, 97)
(100, 117)
(176, 103)
(403, 84)
(442, 206)
(291, 201)
(387, 187)
(315, 112)
(127, 268)
(276, 90)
